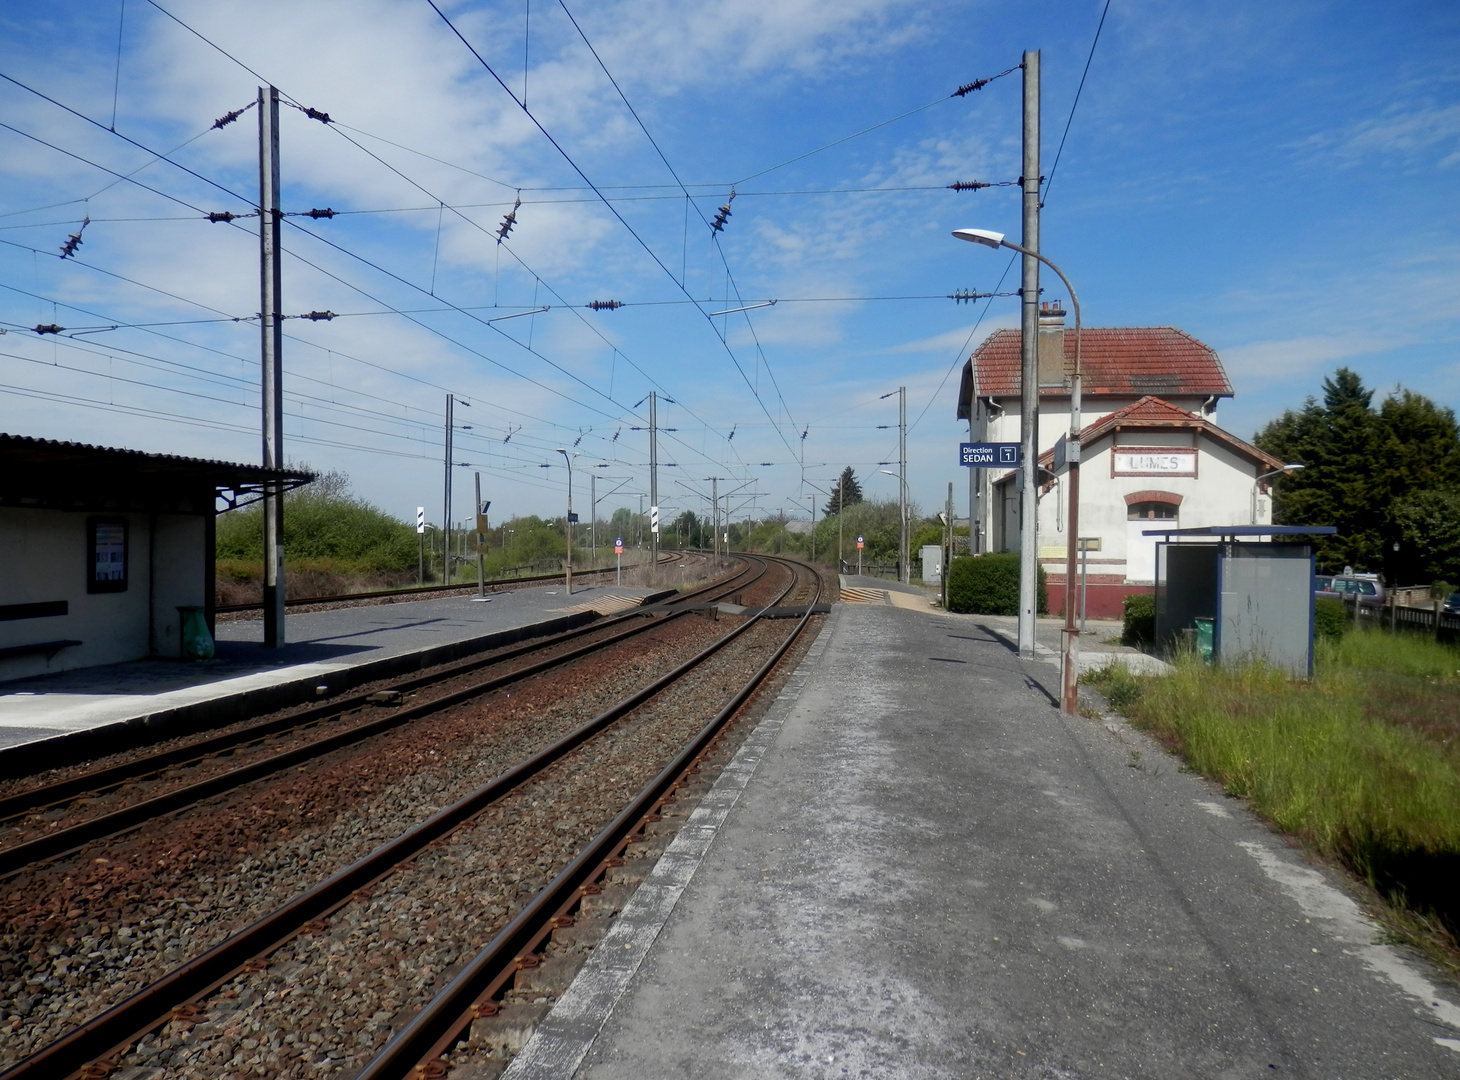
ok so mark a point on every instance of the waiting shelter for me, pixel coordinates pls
(100, 547)
(1236, 596)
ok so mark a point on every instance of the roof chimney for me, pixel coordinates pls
(1051, 344)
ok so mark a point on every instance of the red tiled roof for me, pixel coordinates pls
(1116, 361)
(1152, 412)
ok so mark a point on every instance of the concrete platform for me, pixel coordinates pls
(56, 719)
(917, 867)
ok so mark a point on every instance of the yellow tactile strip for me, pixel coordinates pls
(864, 596)
(886, 597)
(608, 604)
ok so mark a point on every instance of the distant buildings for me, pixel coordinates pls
(1153, 455)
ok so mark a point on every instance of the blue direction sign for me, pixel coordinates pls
(989, 455)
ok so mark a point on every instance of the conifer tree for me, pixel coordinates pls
(1382, 476)
(845, 493)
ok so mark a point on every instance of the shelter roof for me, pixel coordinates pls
(45, 473)
(1246, 530)
(1116, 361)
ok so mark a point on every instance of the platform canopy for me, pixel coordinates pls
(46, 474)
(1245, 530)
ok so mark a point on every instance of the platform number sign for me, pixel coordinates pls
(618, 545)
(989, 455)
(860, 543)
(420, 519)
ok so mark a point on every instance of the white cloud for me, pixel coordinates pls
(1405, 132)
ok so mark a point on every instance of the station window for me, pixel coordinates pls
(106, 555)
(1151, 511)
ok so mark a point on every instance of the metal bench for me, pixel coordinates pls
(50, 648)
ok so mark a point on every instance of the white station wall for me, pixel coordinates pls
(43, 558)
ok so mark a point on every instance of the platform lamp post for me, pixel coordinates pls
(902, 552)
(568, 524)
(1268, 476)
(1070, 653)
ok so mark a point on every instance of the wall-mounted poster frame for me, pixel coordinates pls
(107, 554)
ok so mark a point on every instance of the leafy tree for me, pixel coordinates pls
(1362, 467)
(1428, 531)
(687, 530)
(624, 525)
(845, 493)
(929, 532)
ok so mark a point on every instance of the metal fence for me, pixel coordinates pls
(1413, 618)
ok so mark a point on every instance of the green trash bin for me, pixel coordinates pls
(1204, 639)
(197, 643)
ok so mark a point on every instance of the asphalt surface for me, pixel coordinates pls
(919, 868)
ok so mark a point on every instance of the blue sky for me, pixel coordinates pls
(1277, 180)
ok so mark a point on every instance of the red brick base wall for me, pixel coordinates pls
(1104, 596)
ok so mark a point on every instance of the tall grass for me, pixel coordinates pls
(1364, 761)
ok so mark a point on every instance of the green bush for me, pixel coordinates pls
(1330, 619)
(989, 584)
(1139, 619)
(323, 521)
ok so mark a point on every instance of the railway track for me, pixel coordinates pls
(174, 1006)
(423, 591)
(49, 839)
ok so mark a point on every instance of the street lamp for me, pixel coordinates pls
(568, 524)
(1069, 698)
(902, 552)
(1267, 475)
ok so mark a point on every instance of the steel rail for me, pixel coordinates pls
(47, 796)
(152, 1006)
(442, 1023)
(428, 590)
(59, 842)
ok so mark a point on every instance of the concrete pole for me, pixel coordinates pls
(840, 489)
(480, 532)
(948, 551)
(973, 480)
(272, 342)
(593, 516)
(446, 494)
(1029, 368)
(715, 515)
(568, 526)
(905, 571)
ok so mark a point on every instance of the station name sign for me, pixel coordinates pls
(1154, 461)
(994, 455)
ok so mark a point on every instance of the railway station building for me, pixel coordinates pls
(100, 547)
(1152, 453)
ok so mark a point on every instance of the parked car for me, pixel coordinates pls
(1363, 588)
(1451, 606)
